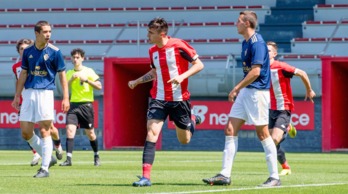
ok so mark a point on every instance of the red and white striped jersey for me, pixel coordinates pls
(281, 93)
(170, 61)
(17, 68)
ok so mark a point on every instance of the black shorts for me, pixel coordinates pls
(279, 119)
(81, 115)
(178, 111)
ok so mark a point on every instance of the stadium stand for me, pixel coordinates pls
(126, 3)
(335, 46)
(110, 28)
(327, 12)
(127, 14)
(124, 31)
(320, 29)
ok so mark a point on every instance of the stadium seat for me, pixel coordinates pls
(127, 14)
(335, 47)
(320, 29)
(330, 12)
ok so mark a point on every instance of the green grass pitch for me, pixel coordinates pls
(173, 172)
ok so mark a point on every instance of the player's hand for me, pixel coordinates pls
(83, 78)
(176, 80)
(15, 102)
(75, 75)
(311, 94)
(65, 105)
(132, 84)
(233, 95)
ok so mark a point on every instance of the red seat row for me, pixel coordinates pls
(320, 39)
(117, 25)
(226, 40)
(131, 9)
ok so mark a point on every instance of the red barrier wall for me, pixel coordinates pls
(125, 109)
(334, 103)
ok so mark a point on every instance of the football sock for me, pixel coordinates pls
(68, 157)
(47, 146)
(280, 154)
(285, 165)
(231, 147)
(56, 143)
(32, 149)
(35, 143)
(94, 145)
(69, 146)
(271, 156)
(193, 123)
(192, 127)
(148, 158)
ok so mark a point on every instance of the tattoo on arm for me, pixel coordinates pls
(147, 77)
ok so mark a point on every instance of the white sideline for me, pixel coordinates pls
(253, 188)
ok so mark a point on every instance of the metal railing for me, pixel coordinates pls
(332, 35)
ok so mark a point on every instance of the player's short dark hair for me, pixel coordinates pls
(39, 24)
(78, 51)
(23, 41)
(251, 17)
(273, 44)
(160, 24)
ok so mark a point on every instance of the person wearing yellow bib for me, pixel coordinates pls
(82, 81)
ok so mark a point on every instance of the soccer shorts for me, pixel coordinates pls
(178, 111)
(81, 115)
(279, 119)
(37, 105)
(252, 106)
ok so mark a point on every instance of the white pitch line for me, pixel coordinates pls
(252, 188)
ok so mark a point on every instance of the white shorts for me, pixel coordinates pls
(38, 105)
(252, 106)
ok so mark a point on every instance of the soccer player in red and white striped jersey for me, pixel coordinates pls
(170, 59)
(282, 103)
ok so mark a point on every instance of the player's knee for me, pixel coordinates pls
(91, 136)
(276, 138)
(184, 141)
(229, 131)
(276, 141)
(26, 136)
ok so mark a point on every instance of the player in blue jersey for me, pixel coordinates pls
(40, 64)
(17, 68)
(251, 105)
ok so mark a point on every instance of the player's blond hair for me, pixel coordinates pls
(251, 17)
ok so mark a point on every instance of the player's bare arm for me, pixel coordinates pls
(64, 84)
(304, 77)
(20, 85)
(95, 84)
(149, 76)
(252, 75)
(196, 67)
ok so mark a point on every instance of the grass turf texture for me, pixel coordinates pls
(173, 172)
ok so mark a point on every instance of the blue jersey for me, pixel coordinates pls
(42, 66)
(255, 52)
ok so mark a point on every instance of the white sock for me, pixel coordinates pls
(36, 144)
(271, 156)
(231, 147)
(47, 146)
